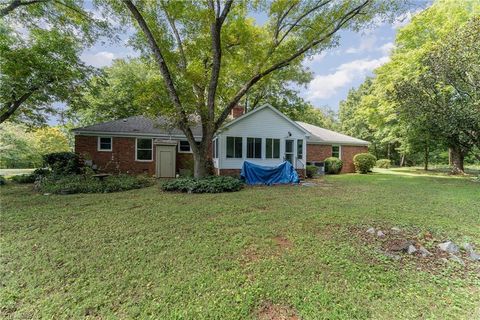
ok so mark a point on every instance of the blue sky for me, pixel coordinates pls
(335, 70)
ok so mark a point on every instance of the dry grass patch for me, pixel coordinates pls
(270, 311)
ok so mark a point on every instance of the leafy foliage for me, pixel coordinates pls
(23, 178)
(87, 184)
(383, 163)
(63, 163)
(364, 162)
(213, 184)
(3, 181)
(333, 165)
(311, 171)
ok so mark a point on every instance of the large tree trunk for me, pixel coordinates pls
(457, 157)
(202, 159)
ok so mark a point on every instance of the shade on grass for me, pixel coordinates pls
(144, 253)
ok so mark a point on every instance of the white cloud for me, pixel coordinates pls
(99, 59)
(325, 86)
(387, 48)
(367, 45)
(315, 58)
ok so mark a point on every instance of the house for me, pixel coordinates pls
(264, 136)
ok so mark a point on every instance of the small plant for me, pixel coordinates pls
(213, 184)
(63, 163)
(311, 171)
(3, 181)
(333, 165)
(364, 162)
(383, 163)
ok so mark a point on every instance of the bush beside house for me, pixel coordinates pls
(212, 184)
(364, 162)
(333, 165)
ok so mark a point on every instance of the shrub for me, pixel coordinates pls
(63, 163)
(3, 181)
(311, 171)
(23, 178)
(213, 184)
(333, 165)
(383, 163)
(88, 184)
(364, 162)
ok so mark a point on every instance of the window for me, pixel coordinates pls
(144, 150)
(254, 148)
(104, 144)
(215, 148)
(234, 147)
(184, 146)
(336, 151)
(272, 148)
(299, 149)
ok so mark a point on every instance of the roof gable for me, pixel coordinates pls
(257, 110)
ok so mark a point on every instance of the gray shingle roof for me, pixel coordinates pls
(137, 125)
(328, 136)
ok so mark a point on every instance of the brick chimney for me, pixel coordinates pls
(237, 111)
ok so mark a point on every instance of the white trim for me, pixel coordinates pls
(215, 147)
(104, 150)
(339, 150)
(307, 133)
(136, 140)
(345, 144)
(178, 146)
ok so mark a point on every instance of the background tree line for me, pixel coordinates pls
(424, 105)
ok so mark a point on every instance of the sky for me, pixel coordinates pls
(335, 71)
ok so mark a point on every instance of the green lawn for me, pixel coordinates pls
(261, 252)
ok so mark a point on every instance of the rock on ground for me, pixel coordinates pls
(424, 252)
(449, 247)
(411, 249)
(380, 234)
(474, 256)
(371, 230)
(456, 259)
(396, 229)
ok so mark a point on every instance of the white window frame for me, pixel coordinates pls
(104, 150)
(261, 147)
(136, 149)
(242, 149)
(339, 150)
(180, 151)
(273, 151)
(215, 146)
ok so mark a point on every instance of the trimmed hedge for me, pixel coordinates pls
(23, 178)
(383, 163)
(311, 171)
(88, 184)
(213, 184)
(333, 165)
(364, 162)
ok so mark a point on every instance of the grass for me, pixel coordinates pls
(438, 170)
(148, 254)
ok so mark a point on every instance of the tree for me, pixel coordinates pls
(40, 62)
(446, 94)
(49, 140)
(17, 147)
(211, 54)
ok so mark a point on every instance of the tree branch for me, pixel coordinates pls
(14, 105)
(171, 21)
(244, 89)
(16, 4)
(183, 121)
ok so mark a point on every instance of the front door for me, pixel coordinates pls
(289, 151)
(166, 161)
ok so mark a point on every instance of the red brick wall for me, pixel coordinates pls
(318, 152)
(120, 159)
(348, 152)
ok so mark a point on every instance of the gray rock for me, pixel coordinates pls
(424, 252)
(468, 247)
(380, 234)
(371, 231)
(449, 247)
(411, 249)
(474, 256)
(456, 259)
(396, 229)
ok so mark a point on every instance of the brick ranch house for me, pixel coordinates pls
(264, 136)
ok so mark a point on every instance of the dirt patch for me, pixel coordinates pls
(270, 311)
(282, 242)
(250, 255)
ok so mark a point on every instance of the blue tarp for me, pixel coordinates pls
(284, 173)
